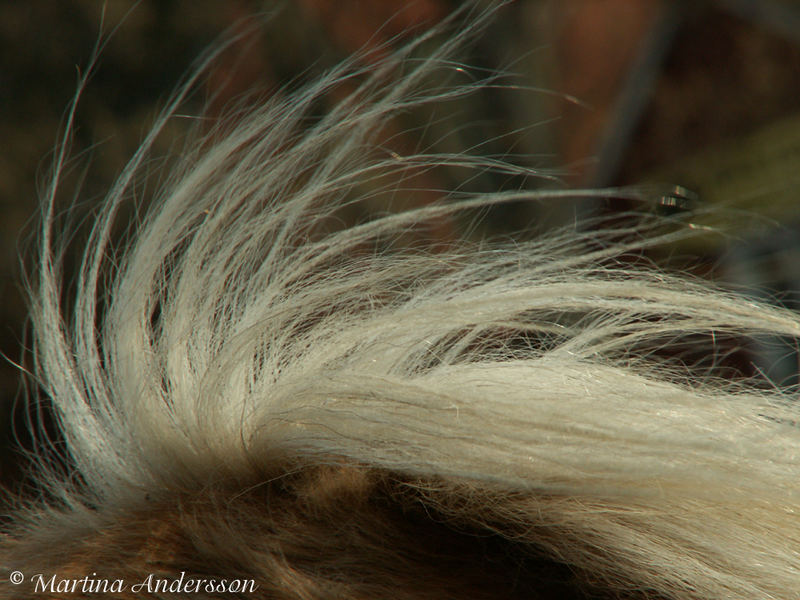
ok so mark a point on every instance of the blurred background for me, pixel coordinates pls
(704, 95)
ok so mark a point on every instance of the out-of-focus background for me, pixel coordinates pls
(702, 94)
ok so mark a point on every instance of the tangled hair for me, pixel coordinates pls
(249, 392)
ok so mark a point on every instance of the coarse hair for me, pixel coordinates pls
(248, 392)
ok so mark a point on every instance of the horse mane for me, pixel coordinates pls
(248, 391)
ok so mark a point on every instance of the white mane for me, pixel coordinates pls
(236, 334)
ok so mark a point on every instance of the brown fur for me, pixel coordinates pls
(337, 532)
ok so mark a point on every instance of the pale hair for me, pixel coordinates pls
(246, 390)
